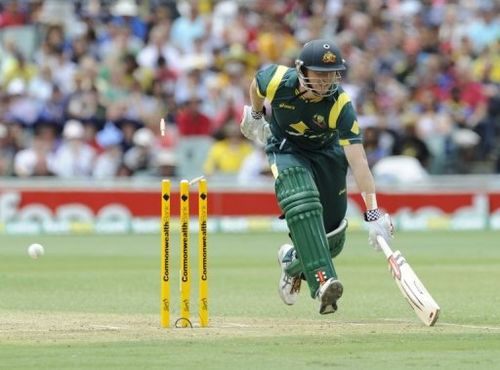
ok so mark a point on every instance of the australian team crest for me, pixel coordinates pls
(319, 121)
(329, 57)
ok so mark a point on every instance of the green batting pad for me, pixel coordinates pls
(295, 268)
(336, 240)
(299, 199)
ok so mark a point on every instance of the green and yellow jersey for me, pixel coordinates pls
(309, 124)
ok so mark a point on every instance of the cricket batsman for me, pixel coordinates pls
(311, 139)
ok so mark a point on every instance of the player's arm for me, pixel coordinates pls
(378, 223)
(253, 125)
(355, 154)
(263, 87)
(256, 98)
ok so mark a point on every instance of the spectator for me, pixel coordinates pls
(227, 155)
(188, 27)
(21, 107)
(74, 158)
(126, 13)
(19, 137)
(434, 128)
(83, 103)
(159, 47)
(191, 122)
(194, 130)
(274, 41)
(34, 160)
(485, 28)
(117, 41)
(109, 160)
(150, 58)
(128, 128)
(11, 15)
(192, 83)
(140, 158)
(255, 168)
(165, 164)
(19, 69)
(373, 148)
(7, 151)
(411, 145)
(63, 71)
(41, 86)
(54, 108)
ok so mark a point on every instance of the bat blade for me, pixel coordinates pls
(418, 297)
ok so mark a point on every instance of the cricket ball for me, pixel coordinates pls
(35, 250)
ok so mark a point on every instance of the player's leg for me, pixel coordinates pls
(336, 240)
(299, 199)
(292, 276)
(330, 170)
(289, 283)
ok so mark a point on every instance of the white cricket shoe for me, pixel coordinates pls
(328, 294)
(288, 287)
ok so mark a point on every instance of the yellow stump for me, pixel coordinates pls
(202, 252)
(165, 255)
(185, 283)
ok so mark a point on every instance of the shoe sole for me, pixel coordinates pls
(330, 297)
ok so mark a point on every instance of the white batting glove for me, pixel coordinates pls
(378, 224)
(254, 127)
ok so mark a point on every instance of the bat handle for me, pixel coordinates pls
(384, 246)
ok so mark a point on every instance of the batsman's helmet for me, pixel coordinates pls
(320, 56)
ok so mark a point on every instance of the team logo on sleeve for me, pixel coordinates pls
(329, 57)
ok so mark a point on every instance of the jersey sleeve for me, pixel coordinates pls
(269, 79)
(263, 77)
(349, 132)
(343, 118)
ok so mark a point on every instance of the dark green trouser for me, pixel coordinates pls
(306, 183)
(328, 169)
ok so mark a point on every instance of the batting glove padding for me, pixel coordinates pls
(254, 127)
(381, 225)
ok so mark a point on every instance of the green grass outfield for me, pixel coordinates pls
(92, 302)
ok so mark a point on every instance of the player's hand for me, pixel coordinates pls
(254, 128)
(379, 224)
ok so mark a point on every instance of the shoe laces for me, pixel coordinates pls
(296, 281)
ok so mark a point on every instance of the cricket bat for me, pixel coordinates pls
(410, 285)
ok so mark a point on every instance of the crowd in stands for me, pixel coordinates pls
(84, 84)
